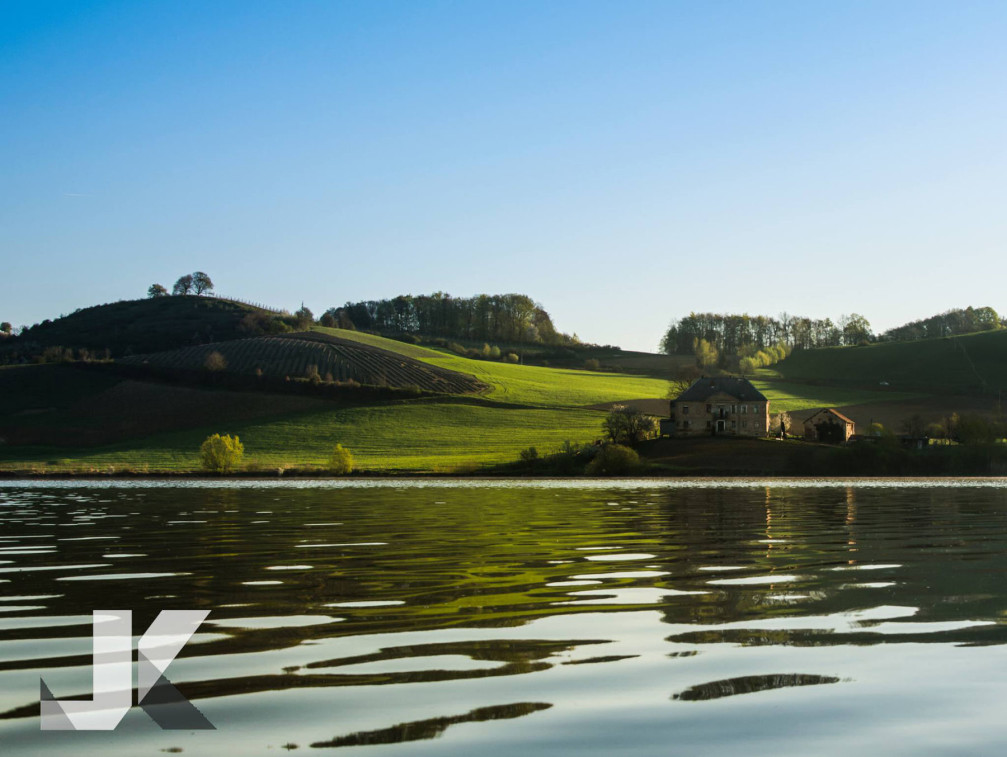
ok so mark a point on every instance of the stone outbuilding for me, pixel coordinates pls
(829, 426)
(719, 406)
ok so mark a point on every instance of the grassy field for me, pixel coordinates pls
(792, 397)
(412, 437)
(970, 364)
(526, 384)
(525, 406)
(158, 427)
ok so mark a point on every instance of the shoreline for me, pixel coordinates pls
(427, 476)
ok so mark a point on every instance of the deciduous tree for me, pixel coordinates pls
(221, 453)
(341, 460)
(183, 285)
(201, 283)
(628, 425)
(156, 290)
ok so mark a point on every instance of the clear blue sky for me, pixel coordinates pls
(621, 162)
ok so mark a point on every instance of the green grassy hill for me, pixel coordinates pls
(970, 364)
(524, 406)
(69, 418)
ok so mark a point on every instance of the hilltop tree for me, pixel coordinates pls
(6, 328)
(201, 283)
(183, 285)
(156, 290)
(304, 317)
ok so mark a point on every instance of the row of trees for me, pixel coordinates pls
(948, 323)
(190, 283)
(731, 334)
(509, 318)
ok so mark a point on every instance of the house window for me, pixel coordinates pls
(709, 408)
(744, 409)
(744, 424)
(708, 424)
(685, 409)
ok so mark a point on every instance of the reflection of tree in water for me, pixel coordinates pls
(434, 727)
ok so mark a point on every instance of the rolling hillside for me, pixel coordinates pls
(139, 326)
(311, 353)
(965, 365)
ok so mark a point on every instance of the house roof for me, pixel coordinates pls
(834, 412)
(706, 387)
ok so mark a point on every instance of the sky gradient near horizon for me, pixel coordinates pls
(623, 163)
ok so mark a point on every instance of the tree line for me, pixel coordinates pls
(738, 335)
(508, 318)
(191, 283)
(949, 323)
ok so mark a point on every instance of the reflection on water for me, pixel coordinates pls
(749, 685)
(550, 618)
(432, 728)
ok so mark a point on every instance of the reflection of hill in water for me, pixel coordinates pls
(365, 591)
(730, 687)
(434, 727)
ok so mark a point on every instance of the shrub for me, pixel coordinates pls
(215, 362)
(592, 364)
(511, 357)
(529, 455)
(313, 375)
(614, 460)
(221, 453)
(341, 460)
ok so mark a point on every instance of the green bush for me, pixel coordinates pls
(529, 455)
(614, 460)
(341, 460)
(511, 357)
(221, 453)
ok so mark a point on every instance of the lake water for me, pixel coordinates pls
(506, 618)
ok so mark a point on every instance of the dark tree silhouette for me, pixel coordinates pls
(183, 285)
(201, 283)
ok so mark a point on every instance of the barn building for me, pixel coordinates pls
(829, 426)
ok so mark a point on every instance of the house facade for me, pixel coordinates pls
(719, 406)
(829, 426)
